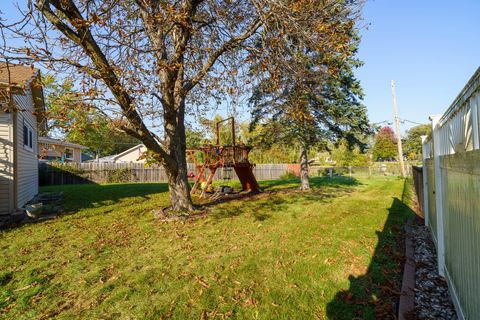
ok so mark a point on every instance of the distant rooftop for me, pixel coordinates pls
(16, 74)
(47, 140)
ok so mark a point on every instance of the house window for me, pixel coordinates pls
(27, 137)
(68, 154)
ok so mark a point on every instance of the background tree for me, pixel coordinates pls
(413, 142)
(385, 147)
(74, 120)
(183, 52)
(194, 138)
(345, 156)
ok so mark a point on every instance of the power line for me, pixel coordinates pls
(406, 120)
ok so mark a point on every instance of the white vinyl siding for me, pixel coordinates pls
(27, 162)
(6, 163)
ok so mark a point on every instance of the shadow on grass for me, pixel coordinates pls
(375, 294)
(274, 196)
(278, 195)
(95, 195)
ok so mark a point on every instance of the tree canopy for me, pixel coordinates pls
(385, 147)
(413, 141)
(74, 120)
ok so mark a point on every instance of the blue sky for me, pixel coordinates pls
(430, 48)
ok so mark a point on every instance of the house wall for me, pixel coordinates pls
(46, 150)
(6, 163)
(132, 156)
(77, 155)
(27, 161)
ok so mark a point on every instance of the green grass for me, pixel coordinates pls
(284, 254)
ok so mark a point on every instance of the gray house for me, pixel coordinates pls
(21, 117)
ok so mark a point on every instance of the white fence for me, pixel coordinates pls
(451, 177)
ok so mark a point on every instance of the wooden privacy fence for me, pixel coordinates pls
(81, 173)
(417, 173)
(451, 196)
(73, 173)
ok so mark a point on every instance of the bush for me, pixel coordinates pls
(119, 175)
(288, 175)
(67, 167)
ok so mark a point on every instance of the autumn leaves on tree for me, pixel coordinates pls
(150, 61)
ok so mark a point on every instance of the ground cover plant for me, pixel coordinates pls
(284, 254)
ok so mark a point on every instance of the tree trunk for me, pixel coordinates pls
(304, 183)
(175, 141)
(180, 188)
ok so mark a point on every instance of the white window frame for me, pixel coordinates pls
(73, 153)
(30, 137)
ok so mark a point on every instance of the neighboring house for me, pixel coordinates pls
(107, 159)
(57, 150)
(133, 154)
(21, 116)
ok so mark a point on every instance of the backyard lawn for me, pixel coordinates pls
(283, 254)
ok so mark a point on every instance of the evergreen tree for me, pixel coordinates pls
(312, 96)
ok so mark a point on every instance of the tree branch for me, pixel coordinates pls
(228, 45)
(83, 37)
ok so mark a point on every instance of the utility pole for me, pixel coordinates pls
(397, 129)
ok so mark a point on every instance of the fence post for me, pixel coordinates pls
(436, 139)
(330, 172)
(369, 171)
(350, 171)
(425, 156)
(475, 123)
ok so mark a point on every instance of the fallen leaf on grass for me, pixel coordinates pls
(203, 283)
(33, 284)
(250, 302)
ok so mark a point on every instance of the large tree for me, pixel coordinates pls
(183, 52)
(312, 95)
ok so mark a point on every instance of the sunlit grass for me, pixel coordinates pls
(283, 254)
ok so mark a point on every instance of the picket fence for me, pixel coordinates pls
(451, 196)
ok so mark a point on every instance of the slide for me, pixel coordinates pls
(245, 174)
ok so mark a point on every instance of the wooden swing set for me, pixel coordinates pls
(211, 157)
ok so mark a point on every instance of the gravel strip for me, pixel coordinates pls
(432, 299)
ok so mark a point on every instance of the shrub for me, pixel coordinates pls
(288, 175)
(67, 167)
(119, 175)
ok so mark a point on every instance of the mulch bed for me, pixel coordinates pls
(432, 298)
